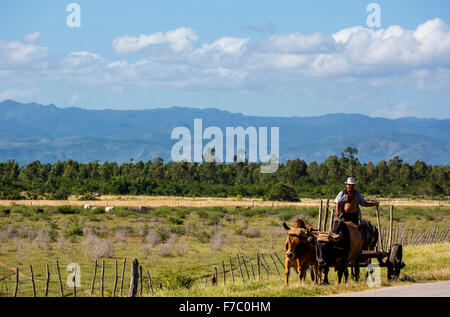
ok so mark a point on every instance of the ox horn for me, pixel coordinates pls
(336, 237)
(286, 227)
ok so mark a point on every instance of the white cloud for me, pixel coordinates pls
(74, 98)
(299, 43)
(225, 45)
(380, 57)
(31, 38)
(177, 40)
(19, 53)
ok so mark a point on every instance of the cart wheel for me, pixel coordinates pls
(394, 263)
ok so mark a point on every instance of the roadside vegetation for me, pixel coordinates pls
(181, 247)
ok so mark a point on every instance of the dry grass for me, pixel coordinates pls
(174, 201)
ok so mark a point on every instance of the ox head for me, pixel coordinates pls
(325, 246)
(295, 237)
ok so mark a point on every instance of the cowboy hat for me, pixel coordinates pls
(350, 181)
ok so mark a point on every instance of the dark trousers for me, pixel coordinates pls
(347, 216)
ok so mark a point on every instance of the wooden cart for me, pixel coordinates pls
(389, 256)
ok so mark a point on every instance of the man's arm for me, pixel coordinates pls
(337, 200)
(363, 202)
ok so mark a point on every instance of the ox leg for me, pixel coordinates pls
(325, 275)
(287, 269)
(316, 274)
(340, 272)
(345, 274)
(356, 265)
(302, 272)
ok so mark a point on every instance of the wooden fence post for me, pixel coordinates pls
(93, 278)
(275, 264)
(103, 277)
(245, 265)
(331, 219)
(123, 275)
(258, 262)
(47, 280)
(251, 265)
(380, 239)
(115, 280)
(282, 265)
(59, 277)
(16, 289)
(319, 222)
(231, 270)
(391, 216)
(262, 264)
(223, 269)
(150, 282)
(240, 268)
(215, 273)
(326, 215)
(265, 262)
(134, 278)
(32, 281)
(140, 280)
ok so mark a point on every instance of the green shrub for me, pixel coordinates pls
(163, 233)
(74, 228)
(176, 279)
(175, 220)
(122, 212)
(68, 210)
(282, 192)
(203, 236)
(87, 197)
(178, 230)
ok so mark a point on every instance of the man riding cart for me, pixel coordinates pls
(347, 209)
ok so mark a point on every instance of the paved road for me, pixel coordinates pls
(436, 289)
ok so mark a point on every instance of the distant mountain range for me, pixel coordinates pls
(31, 132)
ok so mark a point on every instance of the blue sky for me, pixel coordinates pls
(290, 58)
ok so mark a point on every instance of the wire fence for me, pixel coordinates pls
(266, 266)
(414, 236)
(102, 279)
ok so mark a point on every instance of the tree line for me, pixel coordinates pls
(294, 178)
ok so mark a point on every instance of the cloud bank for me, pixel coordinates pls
(418, 58)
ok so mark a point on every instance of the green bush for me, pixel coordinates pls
(282, 192)
(163, 233)
(176, 279)
(87, 197)
(203, 236)
(122, 212)
(175, 220)
(68, 210)
(74, 228)
(178, 230)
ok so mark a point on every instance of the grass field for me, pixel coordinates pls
(181, 246)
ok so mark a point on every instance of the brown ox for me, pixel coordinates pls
(6, 212)
(300, 251)
(339, 248)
